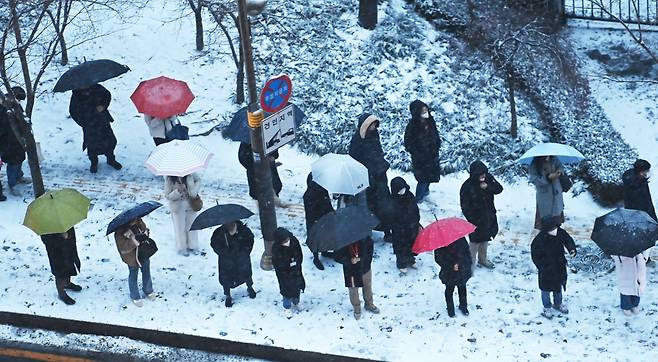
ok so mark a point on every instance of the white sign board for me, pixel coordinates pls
(279, 129)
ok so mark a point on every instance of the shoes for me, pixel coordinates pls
(372, 308)
(184, 252)
(228, 302)
(287, 313)
(628, 312)
(14, 192)
(138, 302)
(635, 310)
(66, 299)
(547, 313)
(193, 251)
(279, 203)
(451, 312)
(251, 292)
(357, 313)
(487, 264)
(318, 263)
(93, 168)
(298, 307)
(115, 165)
(464, 310)
(24, 180)
(73, 287)
(152, 296)
(403, 270)
(561, 308)
(414, 266)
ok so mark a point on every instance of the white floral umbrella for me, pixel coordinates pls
(178, 158)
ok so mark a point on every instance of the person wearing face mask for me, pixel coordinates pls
(544, 173)
(64, 262)
(476, 198)
(233, 242)
(422, 142)
(287, 260)
(636, 192)
(366, 148)
(405, 224)
(12, 151)
(547, 252)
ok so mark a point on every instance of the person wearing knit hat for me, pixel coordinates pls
(636, 192)
(547, 252)
(287, 260)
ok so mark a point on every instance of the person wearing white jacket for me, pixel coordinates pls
(632, 276)
(158, 128)
(178, 191)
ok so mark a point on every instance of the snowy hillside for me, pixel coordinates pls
(505, 303)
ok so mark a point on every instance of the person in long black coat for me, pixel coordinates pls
(64, 262)
(357, 261)
(476, 198)
(547, 251)
(405, 224)
(287, 260)
(88, 108)
(636, 188)
(456, 269)
(366, 148)
(12, 151)
(317, 203)
(245, 156)
(233, 243)
(422, 141)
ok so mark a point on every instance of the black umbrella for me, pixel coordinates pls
(625, 232)
(340, 228)
(219, 215)
(89, 73)
(127, 216)
(238, 129)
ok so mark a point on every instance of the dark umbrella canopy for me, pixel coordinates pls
(127, 216)
(238, 130)
(219, 215)
(625, 232)
(340, 228)
(89, 73)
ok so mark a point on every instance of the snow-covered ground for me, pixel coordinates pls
(504, 323)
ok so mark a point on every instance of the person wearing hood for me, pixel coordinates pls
(317, 203)
(88, 108)
(422, 142)
(287, 261)
(456, 269)
(246, 158)
(64, 262)
(544, 173)
(357, 260)
(476, 198)
(366, 148)
(12, 151)
(636, 192)
(405, 224)
(547, 252)
(233, 242)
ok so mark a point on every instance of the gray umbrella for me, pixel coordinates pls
(340, 228)
(625, 232)
(220, 215)
(89, 73)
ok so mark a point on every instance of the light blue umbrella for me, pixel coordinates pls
(566, 154)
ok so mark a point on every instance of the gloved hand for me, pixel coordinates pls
(572, 252)
(141, 237)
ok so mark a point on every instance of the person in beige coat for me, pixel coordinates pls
(158, 128)
(126, 238)
(632, 277)
(178, 191)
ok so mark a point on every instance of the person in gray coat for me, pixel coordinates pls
(544, 172)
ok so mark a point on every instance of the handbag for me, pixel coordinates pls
(146, 249)
(196, 203)
(177, 131)
(565, 182)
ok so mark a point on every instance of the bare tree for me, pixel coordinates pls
(197, 8)
(60, 17)
(225, 15)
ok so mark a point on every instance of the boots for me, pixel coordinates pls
(463, 304)
(357, 312)
(317, 262)
(94, 164)
(229, 301)
(251, 292)
(113, 162)
(60, 284)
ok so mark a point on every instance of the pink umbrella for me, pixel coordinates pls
(162, 97)
(441, 233)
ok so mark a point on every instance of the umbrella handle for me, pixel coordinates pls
(435, 218)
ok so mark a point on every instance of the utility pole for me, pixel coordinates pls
(263, 174)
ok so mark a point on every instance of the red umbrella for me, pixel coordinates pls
(162, 97)
(441, 233)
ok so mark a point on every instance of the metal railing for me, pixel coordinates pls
(628, 11)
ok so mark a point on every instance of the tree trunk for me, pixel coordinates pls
(368, 14)
(24, 129)
(65, 53)
(239, 85)
(199, 27)
(512, 103)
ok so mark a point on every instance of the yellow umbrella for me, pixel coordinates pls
(56, 211)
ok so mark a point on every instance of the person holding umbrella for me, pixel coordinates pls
(180, 193)
(547, 252)
(636, 191)
(422, 141)
(476, 198)
(158, 128)
(287, 260)
(12, 151)
(128, 238)
(405, 224)
(456, 268)
(317, 203)
(64, 262)
(544, 173)
(233, 242)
